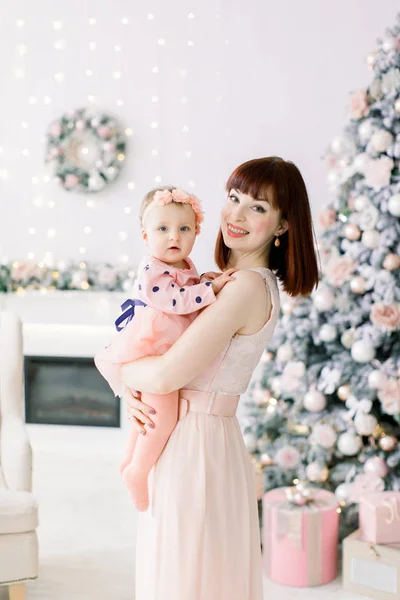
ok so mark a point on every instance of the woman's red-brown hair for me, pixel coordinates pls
(294, 261)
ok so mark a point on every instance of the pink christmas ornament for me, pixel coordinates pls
(391, 262)
(357, 285)
(377, 466)
(388, 443)
(352, 232)
(316, 472)
(314, 401)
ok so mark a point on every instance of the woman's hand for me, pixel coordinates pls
(219, 282)
(138, 410)
(209, 276)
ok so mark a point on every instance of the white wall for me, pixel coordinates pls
(262, 78)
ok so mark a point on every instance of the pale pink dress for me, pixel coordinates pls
(200, 538)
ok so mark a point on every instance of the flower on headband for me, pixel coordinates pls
(163, 197)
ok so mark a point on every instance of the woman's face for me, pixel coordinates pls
(249, 225)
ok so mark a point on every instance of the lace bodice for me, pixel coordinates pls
(230, 372)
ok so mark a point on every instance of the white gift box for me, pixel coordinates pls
(371, 569)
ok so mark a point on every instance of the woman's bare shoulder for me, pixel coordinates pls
(245, 286)
(249, 281)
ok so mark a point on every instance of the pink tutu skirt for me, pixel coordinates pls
(150, 332)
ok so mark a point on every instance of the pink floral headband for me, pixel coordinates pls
(163, 197)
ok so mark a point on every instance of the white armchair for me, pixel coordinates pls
(18, 508)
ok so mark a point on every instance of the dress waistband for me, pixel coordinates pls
(209, 403)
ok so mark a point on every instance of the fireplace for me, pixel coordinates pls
(68, 391)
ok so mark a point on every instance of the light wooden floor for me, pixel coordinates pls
(87, 525)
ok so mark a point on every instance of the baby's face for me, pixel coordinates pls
(170, 231)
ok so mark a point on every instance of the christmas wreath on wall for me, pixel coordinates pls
(88, 149)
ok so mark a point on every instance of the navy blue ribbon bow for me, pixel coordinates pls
(129, 312)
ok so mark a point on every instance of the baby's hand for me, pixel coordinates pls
(209, 276)
(219, 282)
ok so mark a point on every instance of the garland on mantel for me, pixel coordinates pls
(20, 276)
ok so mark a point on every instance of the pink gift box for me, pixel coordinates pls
(300, 543)
(379, 515)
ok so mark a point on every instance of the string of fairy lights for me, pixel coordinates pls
(40, 198)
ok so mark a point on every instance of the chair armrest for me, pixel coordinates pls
(16, 454)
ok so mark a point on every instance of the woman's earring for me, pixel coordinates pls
(277, 241)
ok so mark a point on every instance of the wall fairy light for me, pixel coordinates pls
(170, 56)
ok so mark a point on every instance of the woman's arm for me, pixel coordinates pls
(209, 333)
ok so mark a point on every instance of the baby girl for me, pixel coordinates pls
(168, 295)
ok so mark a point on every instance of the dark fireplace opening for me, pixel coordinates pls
(68, 391)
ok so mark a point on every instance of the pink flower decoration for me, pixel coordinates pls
(104, 132)
(327, 218)
(108, 276)
(359, 104)
(339, 270)
(71, 180)
(24, 272)
(377, 172)
(287, 457)
(55, 129)
(386, 317)
(163, 197)
(389, 395)
(364, 483)
(290, 379)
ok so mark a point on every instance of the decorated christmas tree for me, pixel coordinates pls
(326, 406)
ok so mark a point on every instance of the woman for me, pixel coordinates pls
(199, 540)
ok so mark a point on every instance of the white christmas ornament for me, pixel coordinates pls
(361, 202)
(328, 333)
(316, 472)
(376, 379)
(285, 353)
(371, 239)
(357, 285)
(365, 130)
(314, 401)
(323, 300)
(394, 205)
(342, 492)
(347, 338)
(344, 392)
(381, 140)
(362, 351)
(349, 444)
(360, 162)
(96, 183)
(388, 44)
(365, 424)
